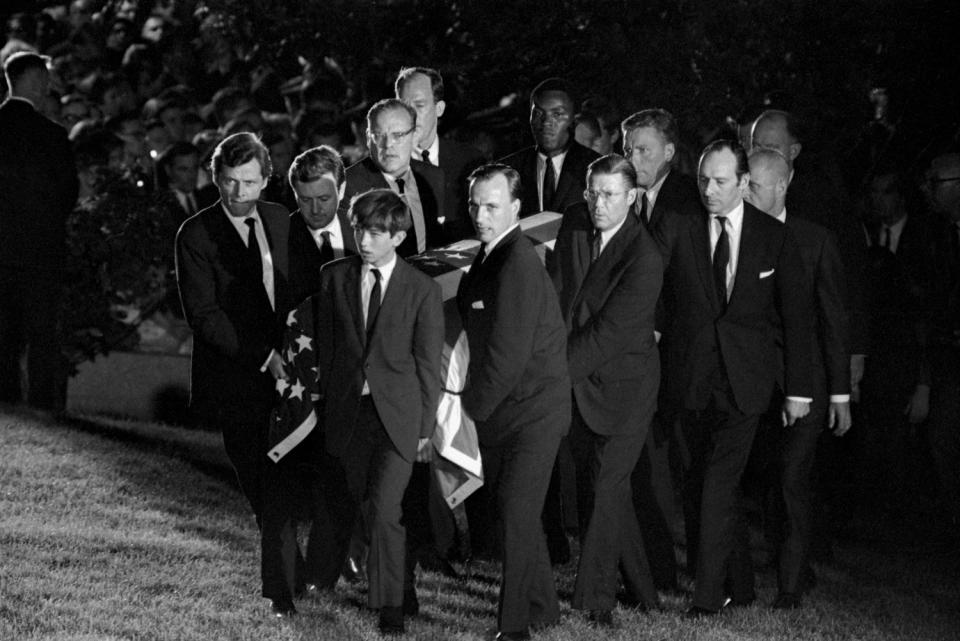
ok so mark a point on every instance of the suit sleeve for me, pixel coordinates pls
(519, 303)
(626, 318)
(428, 349)
(794, 308)
(196, 278)
(323, 305)
(833, 326)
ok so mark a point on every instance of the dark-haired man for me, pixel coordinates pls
(232, 274)
(379, 333)
(553, 170)
(734, 290)
(320, 231)
(422, 88)
(39, 184)
(391, 133)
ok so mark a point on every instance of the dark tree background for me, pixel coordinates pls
(704, 61)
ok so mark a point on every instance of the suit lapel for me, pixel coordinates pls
(748, 265)
(396, 292)
(355, 301)
(567, 180)
(700, 237)
(598, 273)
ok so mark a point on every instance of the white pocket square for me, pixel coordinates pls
(477, 304)
(766, 273)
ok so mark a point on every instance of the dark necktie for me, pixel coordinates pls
(721, 257)
(400, 186)
(425, 154)
(253, 247)
(326, 251)
(549, 185)
(644, 210)
(885, 238)
(373, 307)
(595, 246)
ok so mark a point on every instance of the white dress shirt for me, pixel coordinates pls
(266, 258)
(366, 288)
(336, 236)
(734, 229)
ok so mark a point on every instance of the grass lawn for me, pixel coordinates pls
(113, 530)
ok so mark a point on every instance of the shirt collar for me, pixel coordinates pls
(239, 222)
(406, 177)
(782, 216)
(605, 236)
(653, 191)
(385, 272)
(734, 216)
(434, 150)
(489, 247)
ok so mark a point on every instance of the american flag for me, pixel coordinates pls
(458, 467)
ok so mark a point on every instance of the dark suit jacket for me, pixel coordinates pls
(825, 279)
(226, 306)
(457, 160)
(769, 304)
(401, 361)
(570, 183)
(518, 363)
(365, 175)
(609, 307)
(678, 194)
(38, 179)
(305, 261)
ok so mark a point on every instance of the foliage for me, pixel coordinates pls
(119, 265)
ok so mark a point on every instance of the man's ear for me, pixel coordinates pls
(631, 196)
(515, 207)
(669, 150)
(342, 191)
(398, 238)
(441, 107)
(795, 149)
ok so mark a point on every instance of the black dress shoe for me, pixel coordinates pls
(787, 601)
(601, 618)
(391, 620)
(411, 606)
(282, 608)
(522, 635)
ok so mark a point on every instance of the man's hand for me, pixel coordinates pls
(794, 410)
(840, 419)
(275, 366)
(857, 364)
(424, 451)
(919, 405)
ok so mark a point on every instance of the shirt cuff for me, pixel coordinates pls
(800, 399)
(839, 398)
(266, 363)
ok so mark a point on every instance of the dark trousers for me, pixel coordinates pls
(517, 472)
(654, 501)
(718, 442)
(943, 429)
(790, 495)
(29, 324)
(609, 531)
(375, 473)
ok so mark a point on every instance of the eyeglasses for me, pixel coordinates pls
(395, 137)
(607, 196)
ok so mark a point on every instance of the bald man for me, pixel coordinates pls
(796, 445)
(813, 197)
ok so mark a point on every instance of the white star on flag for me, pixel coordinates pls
(304, 342)
(282, 386)
(292, 318)
(296, 390)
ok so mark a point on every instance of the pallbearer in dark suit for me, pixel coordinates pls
(608, 273)
(734, 289)
(379, 341)
(391, 132)
(422, 89)
(232, 275)
(518, 391)
(552, 170)
(320, 230)
(796, 445)
(38, 179)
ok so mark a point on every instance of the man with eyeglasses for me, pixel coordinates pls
(552, 171)
(391, 135)
(943, 193)
(608, 273)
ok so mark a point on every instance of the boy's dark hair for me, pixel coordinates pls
(380, 210)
